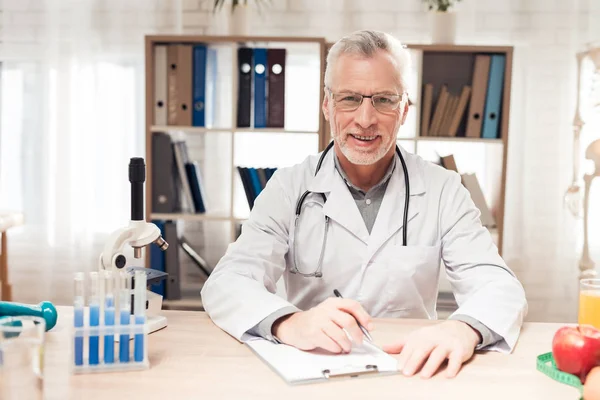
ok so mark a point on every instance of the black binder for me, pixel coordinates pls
(245, 72)
(165, 196)
(173, 289)
(276, 77)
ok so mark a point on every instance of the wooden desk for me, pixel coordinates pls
(194, 359)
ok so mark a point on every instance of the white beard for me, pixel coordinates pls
(357, 157)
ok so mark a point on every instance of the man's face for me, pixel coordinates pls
(365, 134)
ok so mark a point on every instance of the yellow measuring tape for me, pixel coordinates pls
(547, 365)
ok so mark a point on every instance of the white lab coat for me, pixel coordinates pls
(388, 279)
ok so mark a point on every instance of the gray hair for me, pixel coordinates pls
(366, 43)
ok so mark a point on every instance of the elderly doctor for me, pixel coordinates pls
(355, 235)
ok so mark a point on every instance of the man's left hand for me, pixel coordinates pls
(431, 346)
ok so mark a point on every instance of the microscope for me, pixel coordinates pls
(138, 234)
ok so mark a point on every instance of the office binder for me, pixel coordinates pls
(199, 90)
(157, 260)
(262, 177)
(247, 184)
(172, 84)
(491, 115)
(244, 103)
(478, 95)
(255, 180)
(165, 196)
(173, 288)
(260, 88)
(426, 105)
(276, 83)
(300, 367)
(160, 85)
(184, 84)
(211, 115)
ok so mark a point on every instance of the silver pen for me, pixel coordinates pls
(362, 328)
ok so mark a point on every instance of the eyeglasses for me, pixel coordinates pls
(348, 101)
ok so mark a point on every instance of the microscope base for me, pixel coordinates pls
(156, 322)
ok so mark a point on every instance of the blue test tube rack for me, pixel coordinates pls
(105, 335)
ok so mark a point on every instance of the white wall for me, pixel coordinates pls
(542, 241)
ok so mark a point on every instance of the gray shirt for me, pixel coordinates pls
(368, 204)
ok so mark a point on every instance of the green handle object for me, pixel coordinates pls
(547, 366)
(45, 310)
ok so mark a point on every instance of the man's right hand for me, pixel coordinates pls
(323, 326)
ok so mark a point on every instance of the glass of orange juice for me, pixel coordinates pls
(589, 302)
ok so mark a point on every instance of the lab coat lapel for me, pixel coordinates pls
(340, 205)
(390, 217)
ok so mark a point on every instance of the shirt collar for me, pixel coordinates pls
(383, 180)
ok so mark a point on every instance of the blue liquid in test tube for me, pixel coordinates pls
(109, 318)
(78, 305)
(94, 319)
(140, 314)
(125, 315)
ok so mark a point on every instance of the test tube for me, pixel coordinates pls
(94, 302)
(125, 313)
(109, 317)
(139, 311)
(78, 304)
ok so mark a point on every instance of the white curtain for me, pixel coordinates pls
(71, 117)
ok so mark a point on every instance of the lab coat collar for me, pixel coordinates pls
(390, 218)
(324, 181)
(391, 212)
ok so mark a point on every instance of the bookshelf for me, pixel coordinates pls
(222, 141)
(456, 67)
(453, 65)
(220, 146)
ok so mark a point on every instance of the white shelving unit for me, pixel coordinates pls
(305, 57)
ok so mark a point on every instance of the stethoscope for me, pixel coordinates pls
(318, 273)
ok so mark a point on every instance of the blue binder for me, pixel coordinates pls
(199, 85)
(255, 181)
(493, 101)
(260, 88)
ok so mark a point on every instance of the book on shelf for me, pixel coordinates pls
(471, 183)
(167, 261)
(471, 110)
(426, 105)
(194, 255)
(165, 193)
(186, 92)
(254, 181)
(493, 101)
(261, 87)
(185, 78)
(177, 180)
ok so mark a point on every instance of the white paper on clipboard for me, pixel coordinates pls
(297, 366)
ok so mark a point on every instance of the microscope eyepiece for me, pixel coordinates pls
(137, 170)
(137, 177)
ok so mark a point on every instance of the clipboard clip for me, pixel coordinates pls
(369, 369)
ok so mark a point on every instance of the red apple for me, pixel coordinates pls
(576, 349)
